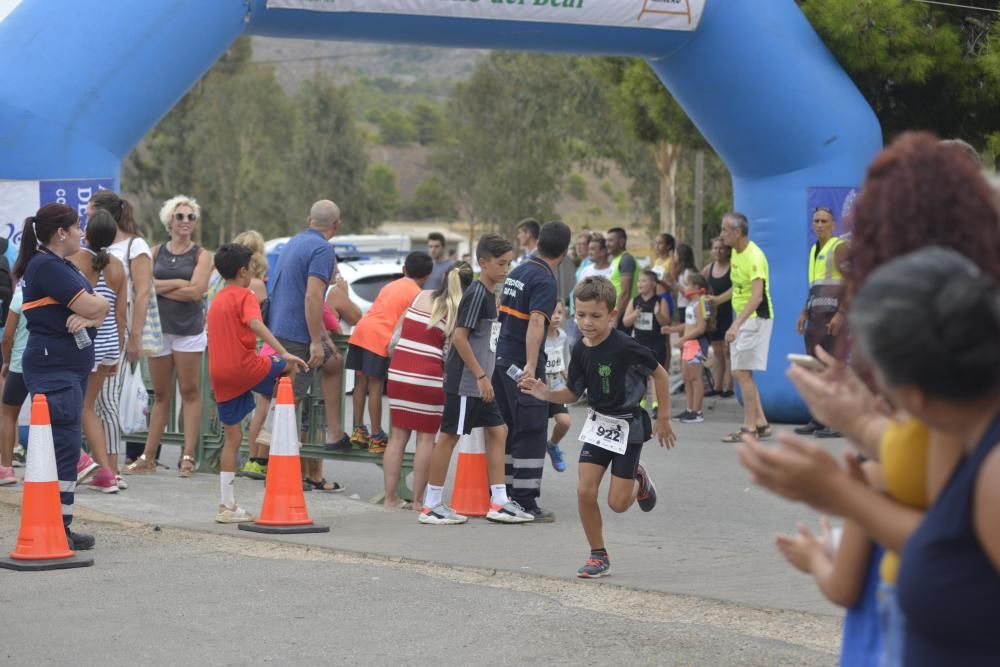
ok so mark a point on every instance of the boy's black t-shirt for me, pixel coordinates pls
(613, 374)
(646, 328)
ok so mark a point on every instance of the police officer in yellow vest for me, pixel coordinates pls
(623, 271)
(822, 318)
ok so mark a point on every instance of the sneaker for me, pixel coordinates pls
(647, 491)
(104, 481)
(693, 418)
(681, 416)
(509, 513)
(235, 514)
(377, 443)
(253, 470)
(86, 467)
(827, 432)
(441, 515)
(7, 476)
(79, 541)
(541, 515)
(360, 437)
(20, 455)
(808, 429)
(122, 484)
(596, 566)
(556, 454)
(342, 445)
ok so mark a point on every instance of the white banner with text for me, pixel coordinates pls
(655, 14)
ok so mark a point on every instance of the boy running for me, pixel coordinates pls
(469, 399)
(612, 368)
(235, 368)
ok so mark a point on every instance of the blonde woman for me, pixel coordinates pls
(416, 380)
(180, 271)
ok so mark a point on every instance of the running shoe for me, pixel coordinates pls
(20, 454)
(377, 443)
(681, 416)
(556, 454)
(234, 514)
(253, 470)
(104, 481)
(693, 418)
(647, 491)
(122, 484)
(596, 566)
(360, 437)
(827, 432)
(509, 513)
(7, 476)
(86, 467)
(441, 515)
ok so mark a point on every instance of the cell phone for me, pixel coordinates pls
(514, 373)
(807, 361)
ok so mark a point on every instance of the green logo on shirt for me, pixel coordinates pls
(604, 371)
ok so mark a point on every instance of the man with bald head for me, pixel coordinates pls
(298, 290)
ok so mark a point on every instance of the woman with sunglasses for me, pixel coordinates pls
(180, 270)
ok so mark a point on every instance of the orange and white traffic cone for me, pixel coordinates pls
(284, 510)
(41, 542)
(471, 495)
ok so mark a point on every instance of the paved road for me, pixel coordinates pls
(696, 581)
(172, 597)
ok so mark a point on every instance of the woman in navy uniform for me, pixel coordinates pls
(62, 313)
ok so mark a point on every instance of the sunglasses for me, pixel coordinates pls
(191, 217)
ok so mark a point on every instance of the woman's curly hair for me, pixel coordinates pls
(919, 192)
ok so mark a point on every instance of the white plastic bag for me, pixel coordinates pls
(134, 406)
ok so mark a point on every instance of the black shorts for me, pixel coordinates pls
(557, 409)
(15, 392)
(367, 362)
(464, 413)
(622, 465)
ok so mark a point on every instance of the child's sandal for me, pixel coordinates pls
(733, 438)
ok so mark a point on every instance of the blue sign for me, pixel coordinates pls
(75, 193)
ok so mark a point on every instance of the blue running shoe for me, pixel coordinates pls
(598, 565)
(556, 454)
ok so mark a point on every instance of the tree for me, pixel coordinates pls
(431, 201)
(327, 158)
(428, 121)
(920, 66)
(380, 182)
(396, 128)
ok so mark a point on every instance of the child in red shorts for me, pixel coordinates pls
(236, 370)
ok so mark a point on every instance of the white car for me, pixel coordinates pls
(365, 279)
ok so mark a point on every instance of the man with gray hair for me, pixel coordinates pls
(298, 290)
(749, 337)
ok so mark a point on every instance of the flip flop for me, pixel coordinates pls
(323, 486)
(738, 435)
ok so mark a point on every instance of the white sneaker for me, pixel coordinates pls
(122, 484)
(509, 513)
(235, 514)
(441, 515)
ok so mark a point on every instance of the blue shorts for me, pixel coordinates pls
(233, 411)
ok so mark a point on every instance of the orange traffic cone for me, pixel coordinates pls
(41, 543)
(284, 510)
(471, 495)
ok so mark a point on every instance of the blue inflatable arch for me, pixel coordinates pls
(81, 81)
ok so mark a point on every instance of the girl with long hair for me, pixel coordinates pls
(416, 380)
(107, 276)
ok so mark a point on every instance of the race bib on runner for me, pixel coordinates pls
(494, 336)
(555, 362)
(644, 322)
(605, 432)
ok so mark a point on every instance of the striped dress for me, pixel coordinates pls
(416, 374)
(106, 344)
